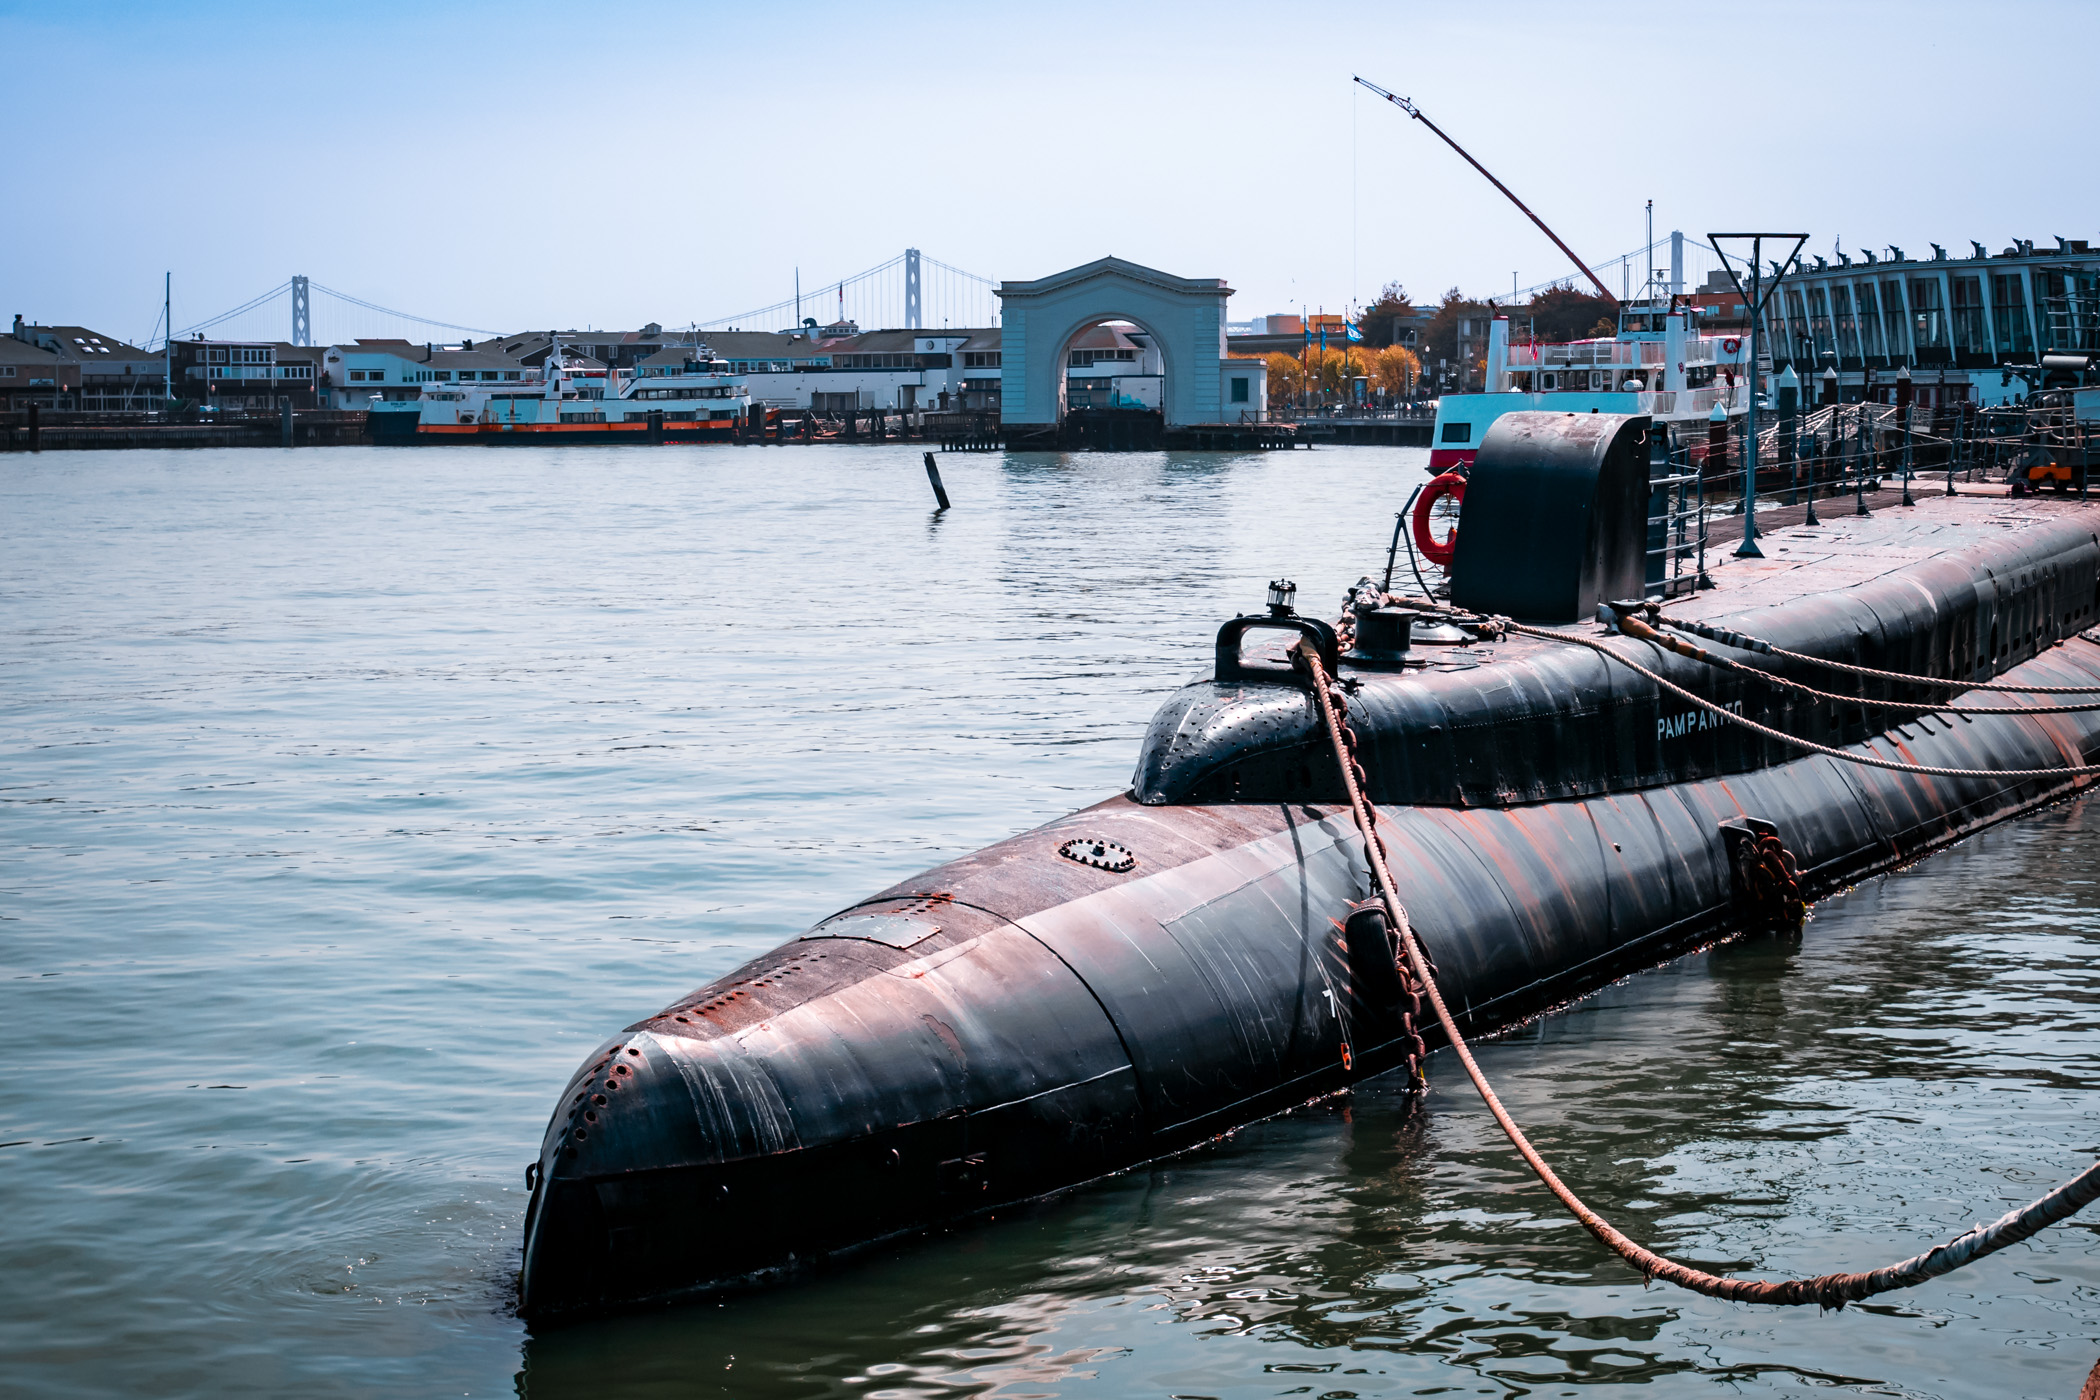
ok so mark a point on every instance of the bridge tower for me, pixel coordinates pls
(911, 289)
(302, 314)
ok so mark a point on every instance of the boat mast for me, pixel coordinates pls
(167, 340)
(1416, 112)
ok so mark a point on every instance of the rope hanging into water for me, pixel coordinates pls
(1743, 643)
(1633, 627)
(1827, 1290)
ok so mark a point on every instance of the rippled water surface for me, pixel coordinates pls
(348, 797)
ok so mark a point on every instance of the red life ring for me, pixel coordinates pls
(1731, 344)
(1438, 552)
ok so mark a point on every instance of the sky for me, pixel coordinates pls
(515, 164)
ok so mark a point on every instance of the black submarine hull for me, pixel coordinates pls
(1140, 976)
(1062, 1021)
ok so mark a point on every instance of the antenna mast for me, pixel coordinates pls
(1413, 111)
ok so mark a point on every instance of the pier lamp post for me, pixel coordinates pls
(1754, 299)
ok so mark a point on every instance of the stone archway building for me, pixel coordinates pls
(1185, 317)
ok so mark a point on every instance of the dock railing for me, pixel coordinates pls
(1850, 449)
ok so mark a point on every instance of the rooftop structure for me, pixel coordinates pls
(77, 368)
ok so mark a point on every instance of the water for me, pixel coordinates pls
(350, 796)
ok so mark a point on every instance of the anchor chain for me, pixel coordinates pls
(1410, 986)
(1768, 882)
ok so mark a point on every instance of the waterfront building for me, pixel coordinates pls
(1976, 328)
(77, 369)
(247, 374)
(983, 358)
(613, 349)
(1113, 366)
(900, 370)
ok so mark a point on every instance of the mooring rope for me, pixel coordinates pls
(1633, 627)
(1827, 1290)
(1744, 643)
(1781, 735)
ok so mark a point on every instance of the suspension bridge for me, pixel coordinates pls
(1637, 267)
(909, 290)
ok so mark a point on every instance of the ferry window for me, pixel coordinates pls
(1458, 432)
(444, 375)
(510, 374)
(1239, 391)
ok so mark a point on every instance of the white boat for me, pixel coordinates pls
(572, 398)
(1657, 365)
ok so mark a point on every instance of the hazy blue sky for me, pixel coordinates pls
(518, 163)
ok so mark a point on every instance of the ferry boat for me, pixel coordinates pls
(1657, 366)
(575, 399)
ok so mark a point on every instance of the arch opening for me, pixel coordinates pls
(1112, 385)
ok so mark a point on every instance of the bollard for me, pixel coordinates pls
(1716, 446)
(36, 429)
(1790, 431)
(758, 422)
(656, 425)
(1815, 474)
(1830, 387)
(285, 410)
(1859, 464)
(933, 474)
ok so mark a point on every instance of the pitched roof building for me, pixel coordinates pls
(88, 371)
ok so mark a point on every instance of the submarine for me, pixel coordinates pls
(1560, 805)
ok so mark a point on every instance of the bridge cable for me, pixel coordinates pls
(1826, 1290)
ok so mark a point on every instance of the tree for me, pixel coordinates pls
(1286, 378)
(1381, 319)
(1440, 340)
(1562, 313)
(1395, 369)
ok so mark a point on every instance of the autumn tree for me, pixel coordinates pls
(1395, 369)
(1286, 378)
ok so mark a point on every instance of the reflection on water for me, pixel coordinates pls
(353, 795)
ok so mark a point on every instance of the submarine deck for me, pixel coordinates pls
(1847, 549)
(1841, 552)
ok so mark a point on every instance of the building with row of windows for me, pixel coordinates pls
(1960, 324)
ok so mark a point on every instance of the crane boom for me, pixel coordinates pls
(1416, 112)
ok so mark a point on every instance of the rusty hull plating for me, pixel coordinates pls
(1028, 1017)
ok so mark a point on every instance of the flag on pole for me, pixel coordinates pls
(1356, 332)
